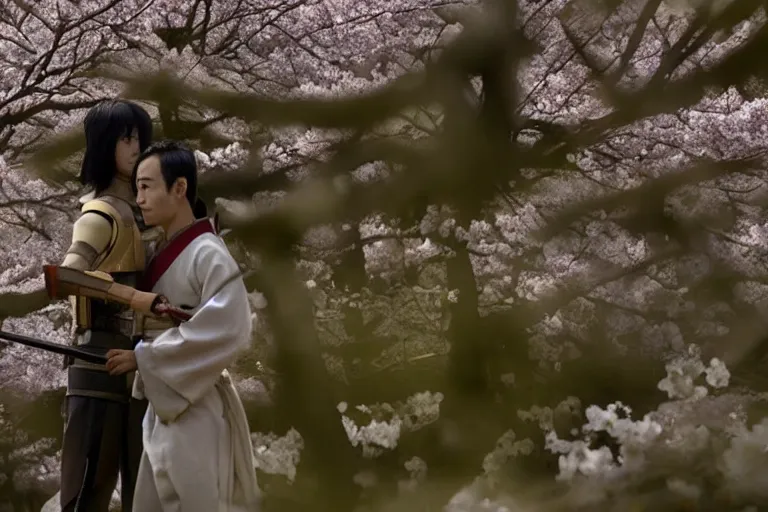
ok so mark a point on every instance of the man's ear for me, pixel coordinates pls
(180, 187)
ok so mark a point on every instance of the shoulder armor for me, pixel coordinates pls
(125, 251)
(121, 261)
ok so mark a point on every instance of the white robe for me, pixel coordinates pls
(198, 455)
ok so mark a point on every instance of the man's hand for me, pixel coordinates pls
(163, 308)
(121, 361)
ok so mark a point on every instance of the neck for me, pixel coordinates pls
(183, 219)
(120, 187)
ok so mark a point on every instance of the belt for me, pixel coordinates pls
(93, 380)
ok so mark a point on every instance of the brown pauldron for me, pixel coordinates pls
(85, 251)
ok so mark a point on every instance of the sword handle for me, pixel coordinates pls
(163, 307)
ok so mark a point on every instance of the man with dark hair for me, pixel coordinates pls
(198, 455)
(177, 162)
(102, 433)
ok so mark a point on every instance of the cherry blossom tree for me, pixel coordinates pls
(488, 214)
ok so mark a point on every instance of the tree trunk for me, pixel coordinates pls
(304, 397)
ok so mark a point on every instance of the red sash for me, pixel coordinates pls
(168, 254)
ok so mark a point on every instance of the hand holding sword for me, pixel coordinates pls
(61, 282)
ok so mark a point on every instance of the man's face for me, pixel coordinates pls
(126, 153)
(158, 204)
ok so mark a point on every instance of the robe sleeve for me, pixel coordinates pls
(182, 365)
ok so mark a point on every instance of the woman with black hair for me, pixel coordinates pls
(102, 434)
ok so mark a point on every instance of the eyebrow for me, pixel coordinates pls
(144, 178)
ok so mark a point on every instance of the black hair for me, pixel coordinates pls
(105, 124)
(176, 161)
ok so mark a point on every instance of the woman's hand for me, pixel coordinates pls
(161, 306)
(163, 309)
(121, 361)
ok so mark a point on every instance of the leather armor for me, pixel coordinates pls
(101, 325)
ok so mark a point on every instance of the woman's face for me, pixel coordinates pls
(126, 153)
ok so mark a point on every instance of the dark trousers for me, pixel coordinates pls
(106, 436)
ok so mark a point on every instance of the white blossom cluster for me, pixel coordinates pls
(696, 428)
(417, 473)
(27, 203)
(488, 492)
(27, 371)
(471, 499)
(507, 447)
(684, 370)
(278, 455)
(744, 462)
(375, 436)
(388, 422)
(231, 157)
